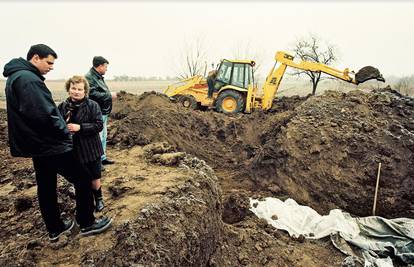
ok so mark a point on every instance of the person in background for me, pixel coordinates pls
(100, 93)
(211, 78)
(84, 121)
(38, 131)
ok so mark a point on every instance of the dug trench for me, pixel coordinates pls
(323, 151)
(179, 191)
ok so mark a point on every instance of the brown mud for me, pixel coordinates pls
(323, 151)
(179, 190)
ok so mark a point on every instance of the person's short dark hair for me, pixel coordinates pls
(98, 60)
(41, 50)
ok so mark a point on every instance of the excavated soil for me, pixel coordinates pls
(323, 151)
(179, 191)
(368, 73)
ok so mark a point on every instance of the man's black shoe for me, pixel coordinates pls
(99, 226)
(67, 227)
(107, 162)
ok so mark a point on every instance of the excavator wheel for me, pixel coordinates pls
(230, 102)
(188, 101)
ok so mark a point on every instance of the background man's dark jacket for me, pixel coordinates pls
(35, 125)
(87, 144)
(99, 91)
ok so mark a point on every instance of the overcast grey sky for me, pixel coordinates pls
(146, 39)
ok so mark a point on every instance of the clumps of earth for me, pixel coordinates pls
(179, 192)
(323, 151)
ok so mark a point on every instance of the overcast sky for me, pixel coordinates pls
(147, 39)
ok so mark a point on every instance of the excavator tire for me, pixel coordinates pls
(230, 102)
(188, 101)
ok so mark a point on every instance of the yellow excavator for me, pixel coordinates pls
(235, 90)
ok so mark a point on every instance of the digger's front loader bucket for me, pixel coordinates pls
(368, 73)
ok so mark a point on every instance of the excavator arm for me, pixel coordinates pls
(276, 74)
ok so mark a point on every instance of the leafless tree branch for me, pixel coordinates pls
(312, 49)
(193, 59)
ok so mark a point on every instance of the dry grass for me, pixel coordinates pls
(287, 87)
(133, 87)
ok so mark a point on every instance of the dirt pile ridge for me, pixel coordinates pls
(153, 118)
(323, 151)
(222, 140)
(165, 216)
(173, 209)
(182, 229)
(328, 154)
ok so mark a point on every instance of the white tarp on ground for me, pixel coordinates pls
(376, 236)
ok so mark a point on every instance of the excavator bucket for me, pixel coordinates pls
(368, 73)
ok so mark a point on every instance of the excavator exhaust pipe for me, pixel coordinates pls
(368, 73)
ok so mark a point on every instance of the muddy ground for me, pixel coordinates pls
(179, 191)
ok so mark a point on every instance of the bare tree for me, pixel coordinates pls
(245, 51)
(405, 85)
(193, 59)
(315, 50)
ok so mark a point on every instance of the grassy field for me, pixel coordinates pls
(134, 87)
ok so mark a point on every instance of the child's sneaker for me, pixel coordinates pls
(99, 226)
(67, 227)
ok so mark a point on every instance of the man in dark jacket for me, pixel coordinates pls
(211, 78)
(37, 130)
(100, 93)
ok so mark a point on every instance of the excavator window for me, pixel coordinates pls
(242, 75)
(238, 75)
(224, 73)
(248, 76)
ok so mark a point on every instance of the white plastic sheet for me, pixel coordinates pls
(376, 236)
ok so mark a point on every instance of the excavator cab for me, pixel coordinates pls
(232, 83)
(235, 73)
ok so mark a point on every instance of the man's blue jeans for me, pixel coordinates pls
(103, 135)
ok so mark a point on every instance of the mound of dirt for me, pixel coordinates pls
(151, 118)
(172, 209)
(163, 216)
(323, 151)
(252, 242)
(328, 155)
(162, 234)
